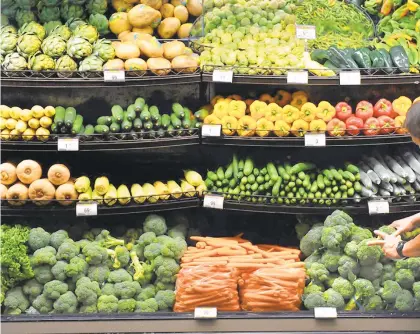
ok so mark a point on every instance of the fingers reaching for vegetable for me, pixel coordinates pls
(388, 244)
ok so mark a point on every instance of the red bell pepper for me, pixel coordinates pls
(364, 110)
(382, 108)
(354, 124)
(336, 128)
(387, 124)
(343, 111)
(371, 127)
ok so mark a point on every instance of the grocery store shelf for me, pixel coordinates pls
(282, 322)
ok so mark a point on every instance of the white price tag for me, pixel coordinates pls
(114, 76)
(211, 130)
(305, 31)
(86, 209)
(315, 139)
(213, 201)
(378, 207)
(223, 76)
(205, 313)
(68, 144)
(325, 312)
(350, 78)
(297, 77)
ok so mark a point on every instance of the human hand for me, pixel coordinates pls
(388, 244)
(402, 225)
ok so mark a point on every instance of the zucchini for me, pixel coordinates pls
(115, 127)
(411, 176)
(69, 117)
(104, 120)
(158, 123)
(118, 113)
(154, 113)
(145, 114)
(77, 125)
(178, 110)
(59, 116)
(137, 124)
(393, 177)
(130, 114)
(139, 104)
(370, 173)
(165, 120)
(395, 166)
(387, 186)
(102, 129)
(186, 122)
(126, 125)
(366, 181)
(160, 133)
(411, 161)
(54, 128)
(176, 123)
(148, 126)
(377, 168)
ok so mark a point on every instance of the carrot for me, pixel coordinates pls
(250, 265)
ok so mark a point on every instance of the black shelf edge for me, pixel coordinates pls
(103, 210)
(401, 79)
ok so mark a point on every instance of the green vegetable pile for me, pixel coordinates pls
(97, 274)
(347, 274)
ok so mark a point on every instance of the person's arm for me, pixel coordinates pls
(406, 224)
(412, 247)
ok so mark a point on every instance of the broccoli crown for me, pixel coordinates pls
(388, 272)
(372, 272)
(43, 274)
(374, 303)
(343, 287)
(98, 273)
(416, 289)
(152, 251)
(16, 301)
(87, 291)
(405, 278)
(146, 292)
(174, 248)
(313, 300)
(57, 238)
(66, 303)
(318, 272)
(82, 243)
(404, 301)
(123, 255)
(344, 216)
(359, 233)
(58, 270)
(412, 263)
(32, 288)
(364, 288)
(311, 259)
(165, 299)
(68, 250)
(107, 241)
(125, 290)
(348, 268)
(166, 269)
(333, 299)
(108, 289)
(155, 223)
(95, 253)
(330, 280)
(149, 305)
(312, 288)
(147, 238)
(330, 260)
(88, 309)
(132, 234)
(164, 286)
(77, 266)
(351, 249)
(126, 305)
(368, 255)
(107, 304)
(38, 238)
(119, 275)
(55, 289)
(43, 304)
(311, 241)
(390, 291)
(180, 231)
(45, 255)
(387, 229)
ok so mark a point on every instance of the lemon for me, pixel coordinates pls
(49, 111)
(11, 123)
(4, 111)
(33, 123)
(28, 134)
(21, 126)
(37, 111)
(25, 115)
(5, 134)
(45, 122)
(15, 112)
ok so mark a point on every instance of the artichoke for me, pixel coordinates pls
(63, 31)
(104, 50)
(87, 31)
(91, 63)
(41, 62)
(47, 14)
(33, 27)
(78, 47)
(15, 62)
(51, 3)
(28, 44)
(8, 29)
(54, 46)
(8, 42)
(50, 26)
(65, 64)
(26, 4)
(24, 16)
(69, 11)
(4, 20)
(100, 22)
(72, 24)
(97, 6)
(9, 11)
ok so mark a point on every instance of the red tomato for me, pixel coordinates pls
(383, 108)
(336, 128)
(343, 111)
(364, 110)
(387, 124)
(371, 127)
(353, 125)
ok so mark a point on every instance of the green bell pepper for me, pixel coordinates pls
(341, 58)
(399, 58)
(387, 61)
(319, 56)
(362, 58)
(377, 59)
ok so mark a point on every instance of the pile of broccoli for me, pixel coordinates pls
(101, 273)
(348, 274)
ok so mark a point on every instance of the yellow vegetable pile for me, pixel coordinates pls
(17, 123)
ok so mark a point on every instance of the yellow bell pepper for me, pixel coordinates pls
(399, 125)
(325, 111)
(221, 109)
(237, 109)
(267, 98)
(290, 114)
(299, 127)
(264, 127)
(274, 112)
(258, 109)
(412, 6)
(282, 98)
(281, 128)
(246, 126)
(229, 125)
(216, 99)
(308, 112)
(401, 105)
(212, 119)
(318, 125)
(299, 98)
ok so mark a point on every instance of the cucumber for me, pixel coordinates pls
(320, 182)
(145, 114)
(357, 187)
(69, 117)
(54, 128)
(235, 166)
(130, 114)
(241, 164)
(102, 129)
(229, 172)
(137, 124)
(351, 168)
(232, 184)
(251, 178)
(212, 176)
(301, 167)
(272, 171)
(104, 120)
(176, 122)
(139, 104)
(337, 176)
(89, 130)
(148, 125)
(115, 127)
(77, 125)
(178, 110)
(328, 174)
(220, 173)
(165, 120)
(314, 187)
(118, 113)
(349, 176)
(307, 182)
(59, 116)
(327, 182)
(328, 190)
(282, 172)
(248, 167)
(154, 113)
(260, 179)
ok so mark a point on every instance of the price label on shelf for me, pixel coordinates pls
(114, 76)
(205, 313)
(211, 130)
(305, 31)
(297, 77)
(378, 207)
(223, 76)
(68, 144)
(350, 78)
(315, 139)
(86, 209)
(213, 201)
(325, 313)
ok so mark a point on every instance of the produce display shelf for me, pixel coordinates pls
(241, 322)
(32, 210)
